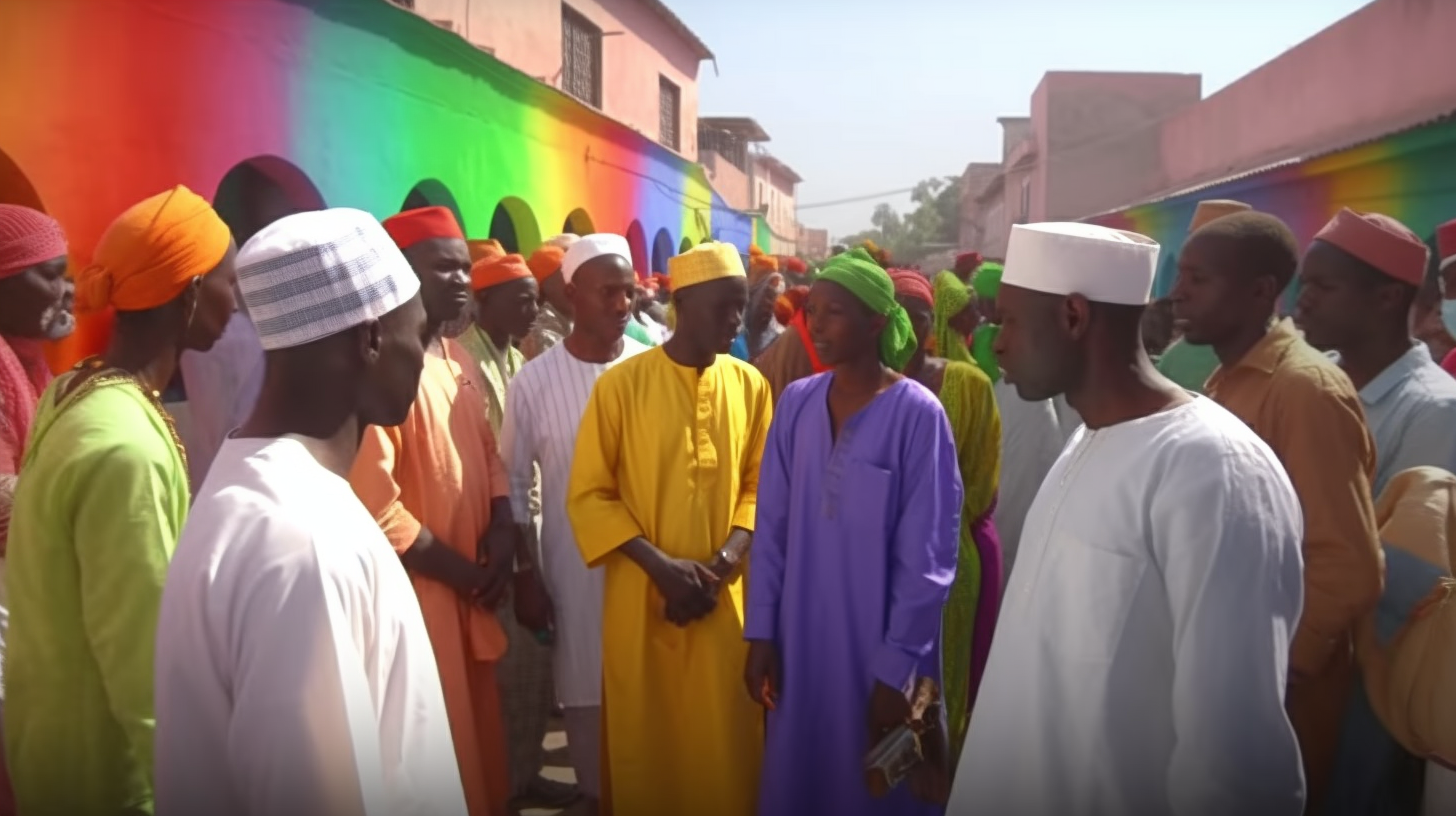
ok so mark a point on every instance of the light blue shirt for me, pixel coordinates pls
(1411, 410)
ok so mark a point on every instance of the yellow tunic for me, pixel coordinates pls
(672, 456)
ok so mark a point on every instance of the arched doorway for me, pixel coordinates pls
(685, 245)
(661, 250)
(434, 193)
(258, 191)
(578, 223)
(637, 240)
(514, 225)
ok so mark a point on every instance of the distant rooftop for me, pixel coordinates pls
(774, 164)
(741, 126)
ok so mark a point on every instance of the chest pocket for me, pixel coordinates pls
(1090, 591)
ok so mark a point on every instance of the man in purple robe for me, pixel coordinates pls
(854, 554)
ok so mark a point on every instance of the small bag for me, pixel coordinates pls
(902, 750)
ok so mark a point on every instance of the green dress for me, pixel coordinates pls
(96, 519)
(969, 615)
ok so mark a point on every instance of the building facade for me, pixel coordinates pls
(633, 60)
(773, 186)
(1307, 133)
(813, 243)
(1073, 155)
(272, 106)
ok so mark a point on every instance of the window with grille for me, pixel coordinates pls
(581, 55)
(669, 113)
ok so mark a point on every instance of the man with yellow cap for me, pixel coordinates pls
(99, 511)
(663, 494)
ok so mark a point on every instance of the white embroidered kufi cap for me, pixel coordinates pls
(591, 247)
(314, 274)
(1101, 264)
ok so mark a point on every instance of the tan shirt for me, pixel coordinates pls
(1308, 411)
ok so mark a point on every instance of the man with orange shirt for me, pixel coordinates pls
(1231, 274)
(436, 485)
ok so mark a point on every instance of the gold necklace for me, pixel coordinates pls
(95, 366)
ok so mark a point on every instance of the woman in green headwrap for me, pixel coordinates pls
(857, 271)
(969, 400)
(855, 551)
(954, 319)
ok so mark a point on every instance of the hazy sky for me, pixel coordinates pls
(865, 96)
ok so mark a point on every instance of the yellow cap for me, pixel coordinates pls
(703, 263)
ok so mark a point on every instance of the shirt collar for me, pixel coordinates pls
(1266, 354)
(1406, 365)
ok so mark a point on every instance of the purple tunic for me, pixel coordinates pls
(853, 556)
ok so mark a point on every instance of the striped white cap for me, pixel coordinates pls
(314, 274)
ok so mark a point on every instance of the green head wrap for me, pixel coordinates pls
(951, 298)
(987, 280)
(857, 271)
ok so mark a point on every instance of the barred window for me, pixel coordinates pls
(581, 55)
(669, 113)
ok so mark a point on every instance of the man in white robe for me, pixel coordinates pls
(294, 672)
(1140, 660)
(543, 410)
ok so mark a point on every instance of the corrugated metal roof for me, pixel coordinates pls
(1347, 143)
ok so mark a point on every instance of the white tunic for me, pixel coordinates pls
(1139, 664)
(543, 410)
(294, 671)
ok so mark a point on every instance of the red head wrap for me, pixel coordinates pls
(27, 237)
(912, 284)
(413, 226)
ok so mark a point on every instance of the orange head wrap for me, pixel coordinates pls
(493, 271)
(546, 261)
(413, 226)
(790, 303)
(484, 248)
(150, 253)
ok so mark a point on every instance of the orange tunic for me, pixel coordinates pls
(1309, 413)
(440, 469)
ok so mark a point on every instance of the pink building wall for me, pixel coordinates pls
(730, 182)
(1389, 65)
(526, 34)
(1098, 138)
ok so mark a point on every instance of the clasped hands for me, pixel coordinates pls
(690, 588)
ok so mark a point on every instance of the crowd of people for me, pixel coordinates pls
(725, 520)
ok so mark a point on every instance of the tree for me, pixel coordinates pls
(931, 225)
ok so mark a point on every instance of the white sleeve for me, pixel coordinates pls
(303, 738)
(1226, 533)
(516, 449)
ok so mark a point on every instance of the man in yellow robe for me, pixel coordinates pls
(663, 494)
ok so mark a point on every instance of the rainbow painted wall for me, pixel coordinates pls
(1410, 176)
(340, 103)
